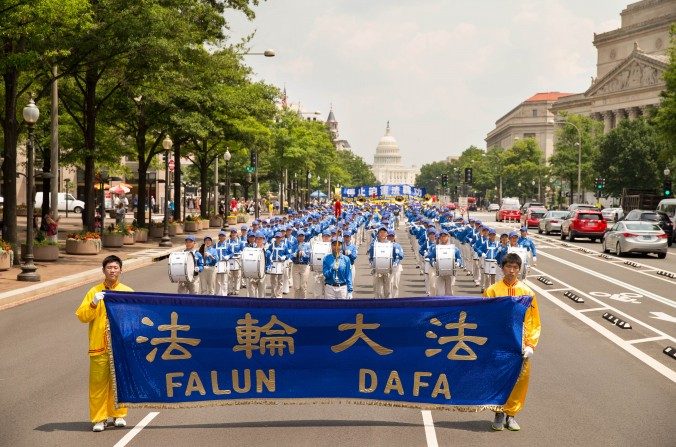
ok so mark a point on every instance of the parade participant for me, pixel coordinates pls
(382, 282)
(337, 208)
(243, 239)
(479, 242)
(350, 250)
(444, 284)
(192, 287)
(511, 286)
(397, 267)
(489, 251)
(234, 277)
(222, 250)
(291, 245)
(208, 275)
(256, 287)
(318, 277)
(337, 272)
(92, 311)
(277, 252)
(527, 243)
(430, 274)
(301, 267)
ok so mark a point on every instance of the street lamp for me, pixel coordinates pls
(307, 185)
(31, 113)
(166, 145)
(67, 187)
(227, 156)
(533, 185)
(667, 172)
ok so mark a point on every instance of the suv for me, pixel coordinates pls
(583, 222)
(532, 216)
(659, 217)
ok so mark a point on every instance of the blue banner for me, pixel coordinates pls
(382, 191)
(437, 352)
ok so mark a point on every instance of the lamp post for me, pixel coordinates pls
(307, 185)
(67, 187)
(31, 113)
(227, 156)
(166, 145)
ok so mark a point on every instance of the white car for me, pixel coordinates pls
(612, 214)
(493, 207)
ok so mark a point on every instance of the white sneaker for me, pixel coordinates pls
(99, 426)
(499, 422)
(120, 422)
(511, 424)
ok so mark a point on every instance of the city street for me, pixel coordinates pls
(592, 383)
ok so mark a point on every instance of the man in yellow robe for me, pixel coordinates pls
(511, 286)
(93, 311)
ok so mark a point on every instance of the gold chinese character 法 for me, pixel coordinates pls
(461, 339)
(174, 341)
(251, 337)
(359, 326)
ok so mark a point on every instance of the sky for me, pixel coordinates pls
(440, 71)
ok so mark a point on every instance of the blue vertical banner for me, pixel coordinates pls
(436, 352)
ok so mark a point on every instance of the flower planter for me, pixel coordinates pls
(42, 253)
(232, 219)
(141, 235)
(6, 259)
(241, 218)
(205, 224)
(156, 231)
(129, 239)
(112, 240)
(80, 247)
(173, 230)
(191, 226)
(216, 222)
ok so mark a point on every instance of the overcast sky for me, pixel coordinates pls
(441, 71)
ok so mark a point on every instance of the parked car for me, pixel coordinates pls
(612, 214)
(551, 221)
(576, 206)
(493, 207)
(633, 236)
(532, 216)
(508, 211)
(528, 205)
(658, 217)
(583, 222)
(74, 205)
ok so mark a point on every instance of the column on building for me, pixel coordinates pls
(607, 121)
(632, 113)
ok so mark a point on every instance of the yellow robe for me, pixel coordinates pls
(531, 336)
(101, 397)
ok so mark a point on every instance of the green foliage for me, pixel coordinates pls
(666, 114)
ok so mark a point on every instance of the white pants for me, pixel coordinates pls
(487, 280)
(334, 292)
(222, 284)
(444, 285)
(255, 287)
(396, 277)
(431, 282)
(382, 285)
(191, 287)
(476, 270)
(277, 285)
(318, 280)
(208, 280)
(234, 281)
(300, 274)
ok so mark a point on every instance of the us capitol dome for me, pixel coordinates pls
(387, 166)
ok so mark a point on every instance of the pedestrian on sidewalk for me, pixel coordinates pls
(51, 226)
(92, 311)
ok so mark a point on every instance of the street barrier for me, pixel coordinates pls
(616, 321)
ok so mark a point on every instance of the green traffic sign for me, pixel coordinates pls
(250, 169)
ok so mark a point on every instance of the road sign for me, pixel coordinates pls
(171, 165)
(249, 169)
(462, 202)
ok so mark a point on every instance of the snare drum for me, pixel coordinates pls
(253, 263)
(222, 266)
(277, 268)
(490, 266)
(445, 262)
(382, 257)
(181, 266)
(319, 251)
(234, 263)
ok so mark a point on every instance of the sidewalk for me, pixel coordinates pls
(75, 270)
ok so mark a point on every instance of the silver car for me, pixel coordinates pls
(633, 236)
(551, 221)
(612, 214)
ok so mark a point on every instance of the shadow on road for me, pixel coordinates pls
(65, 426)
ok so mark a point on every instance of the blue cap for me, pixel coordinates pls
(255, 222)
(222, 233)
(513, 234)
(336, 239)
(278, 234)
(382, 227)
(190, 237)
(208, 237)
(300, 233)
(250, 234)
(491, 231)
(347, 233)
(431, 230)
(433, 233)
(524, 229)
(243, 227)
(326, 233)
(444, 231)
(233, 230)
(260, 234)
(391, 233)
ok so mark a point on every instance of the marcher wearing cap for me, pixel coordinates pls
(291, 243)
(223, 253)
(256, 287)
(350, 250)
(444, 282)
(425, 250)
(337, 272)
(278, 254)
(208, 275)
(301, 265)
(489, 253)
(397, 268)
(382, 281)
(527, 243)
(192, 287)
(234, 267)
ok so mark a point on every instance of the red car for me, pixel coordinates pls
(584, 223)
(532, 217)
(508, 211)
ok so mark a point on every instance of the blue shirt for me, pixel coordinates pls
(350, 250)
(526, 243)
(277, 252)
(199, 260)
(306, 248)
(210, 256)
(223, 252)
(342, 275)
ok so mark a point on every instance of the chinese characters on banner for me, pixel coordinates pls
(382, 191)
(454, 352)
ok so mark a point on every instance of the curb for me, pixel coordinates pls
(34, 292)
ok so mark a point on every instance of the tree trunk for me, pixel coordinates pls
(10, 135)
(204, 171)
(89, 119)
(142, 193)
(177, 181)
(46, 184)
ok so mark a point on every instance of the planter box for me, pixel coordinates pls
(6, 259)
(112, 240)
(241, 218)
(43, 253)
(156, 231)
(205, 224)
(192, 226)
(129, 240)
(232, 219)
(87, 247)
(216, 222)
(173, 230)
(141, 235)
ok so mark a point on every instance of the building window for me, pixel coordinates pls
(535, 113)
(529, 135)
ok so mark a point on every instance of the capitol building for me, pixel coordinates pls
(387, 166)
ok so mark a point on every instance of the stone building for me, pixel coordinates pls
(387, 165)
(332, 124)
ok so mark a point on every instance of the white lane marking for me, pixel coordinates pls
(641, 356)
(663, 316)
(136, 430)
(624, 297)
(643, 340)
(615, 310)
(430, 434)
(557, 290)
(590, 310)
(613, 281)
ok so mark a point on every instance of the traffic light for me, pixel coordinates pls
(468, 176)
(600, 183)
(254, 158)
(444, 180)
(666, 189)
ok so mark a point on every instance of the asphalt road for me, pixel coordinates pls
(592, 382)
